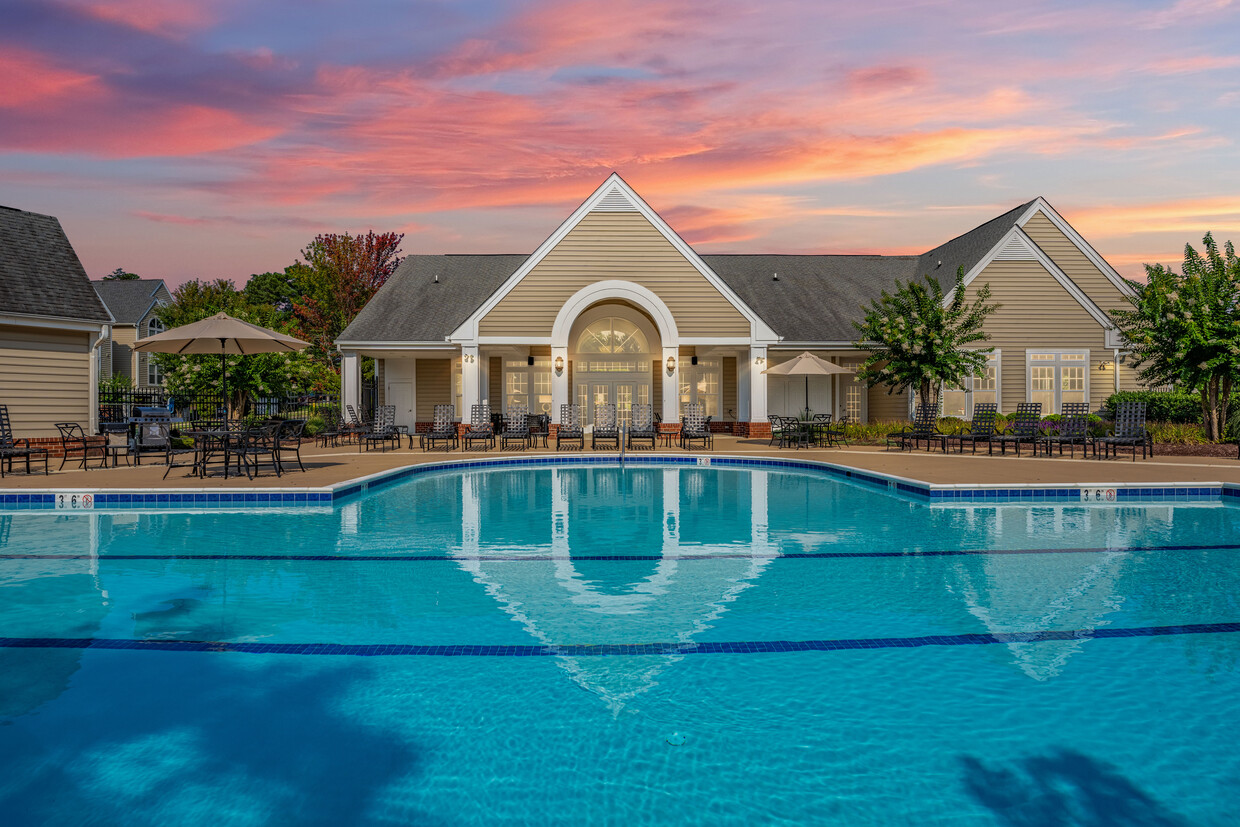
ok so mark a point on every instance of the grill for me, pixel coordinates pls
(151, 427)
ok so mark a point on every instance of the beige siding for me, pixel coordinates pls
(729, 388)
(44, 379)
(495, 384)
(433, 387)
(882, 405)
(1038, 313)
(1074, 263)
(614, 245)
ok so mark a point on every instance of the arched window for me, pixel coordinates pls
(154, 326)
(612, 336)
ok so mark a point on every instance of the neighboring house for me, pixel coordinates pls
(616, 307)
(51, 321)
(133, 303)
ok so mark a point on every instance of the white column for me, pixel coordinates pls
(560, 392)
(471, 381)
(757, 384)
(350, 380)
(671, 387)
(744, 370)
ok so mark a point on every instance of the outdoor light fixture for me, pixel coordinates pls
(761, 360)
(693, 360)
(1104, 364)
(671, 364)
(559, 364)
(529, 360)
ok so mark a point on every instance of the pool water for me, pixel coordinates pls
(647, 645)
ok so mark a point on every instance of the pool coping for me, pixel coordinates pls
(330, 495)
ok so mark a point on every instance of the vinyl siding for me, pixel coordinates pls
(614, 245)
(495, 384)
(1037, 313)
(44, 379)
(729, 388)
(1074, 263)
(883, 406)
(433, 386)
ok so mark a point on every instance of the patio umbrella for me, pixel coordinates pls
(220, 334)
(807, 365)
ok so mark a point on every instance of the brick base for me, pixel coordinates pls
(754, 430)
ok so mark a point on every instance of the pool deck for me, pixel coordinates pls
(330, 466)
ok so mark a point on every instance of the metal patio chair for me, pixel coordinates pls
(1130, 431)
(641, 426)
(443, 429)
(693, 428)
(606, 430)
(480, 428)
(11, 448)
(570, 433)
(1022, 429)
(516, 428)
(981, 429)
(1073, 430)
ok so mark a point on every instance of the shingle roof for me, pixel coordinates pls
(128, 299)
(411, 307)
(815, 299)
(40, 274)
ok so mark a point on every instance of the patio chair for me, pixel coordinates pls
(1130, 430)
(606, 429)
(255, 444)
(693, 428)
(838, 431)
(10, 447)
(792, 432)
(288, 440)
(333, 427)
(925, 425)
(540, 428)
(443, 429)
(1023, 429)
(641, 426)
(74, 440)
(480, 428)
(383, 430)
(355, 427)
(117, 442)
(981, 429)
(161, 432)
(777, 429)
(1073, 430)
(820, 429)
(570, 432)
(516, 428)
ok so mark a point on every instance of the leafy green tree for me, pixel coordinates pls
(279, 290)
(1184, 328)
(119, 274)
(916, 338)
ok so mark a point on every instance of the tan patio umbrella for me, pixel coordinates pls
(220, 334)
(807, 365)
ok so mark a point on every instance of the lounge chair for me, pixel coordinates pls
(480, 428)
(693, 427)
(570, 432)
(383, 430)
(606, 429)
(641, 426)
(443, 429)
(516, 428)
(925, 425)
(1073, 430)
(1130, 430)
(981, 429)
(1022, 429)
(333, 428)
(74, 440)
(10, 447)
(288, 440)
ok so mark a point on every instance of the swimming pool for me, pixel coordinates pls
(641, 645)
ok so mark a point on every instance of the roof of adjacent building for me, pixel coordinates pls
(816, 298)
(129, 299)
(40, 274)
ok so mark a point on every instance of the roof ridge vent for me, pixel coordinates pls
(614, 200)
(1016, 249)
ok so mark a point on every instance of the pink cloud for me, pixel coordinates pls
(160, 17)
(32, 81)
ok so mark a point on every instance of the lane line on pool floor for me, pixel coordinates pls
(527, 558)
(616, 649)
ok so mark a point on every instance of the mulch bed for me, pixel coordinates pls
(1167, 449)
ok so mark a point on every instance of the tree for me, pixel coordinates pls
(279, 290)
(918, 340)
(345, 272)
(1183, 328)
(119, 274)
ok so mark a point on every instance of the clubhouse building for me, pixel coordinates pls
(616, 308)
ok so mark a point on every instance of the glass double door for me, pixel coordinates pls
(624, 393)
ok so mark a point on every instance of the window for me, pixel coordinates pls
(154, 376)
(612, 336)
(854, 393)
(528, 385)
(1056, 377)
(701, 383)
(983, 387)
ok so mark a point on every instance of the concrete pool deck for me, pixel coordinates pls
(332, 466)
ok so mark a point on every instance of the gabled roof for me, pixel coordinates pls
(40, 274)
(968, 250)
(128, 299)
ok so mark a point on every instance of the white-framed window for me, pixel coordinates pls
(981, 387)
(1054, 377)
(529, 385)
(702, 383)
(854, 395)
(154, 376)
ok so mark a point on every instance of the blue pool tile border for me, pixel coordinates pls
(621, 649)
(927, 493)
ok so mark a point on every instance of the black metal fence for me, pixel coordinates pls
(118, 405)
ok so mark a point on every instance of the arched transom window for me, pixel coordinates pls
(612, 335)
(154, 326)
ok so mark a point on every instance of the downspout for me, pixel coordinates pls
(97, 338)
(1116, 363)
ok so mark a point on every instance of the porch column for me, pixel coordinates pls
(350, 380)
(560, 394)
(757, 392)
(744, 375)
(471, 382)
(671, 387)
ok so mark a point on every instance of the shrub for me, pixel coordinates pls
(1163, 406)
(1177, 433)
(314, 425)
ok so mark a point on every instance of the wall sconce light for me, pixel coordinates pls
(469, 357)
(559, 364)
(671, 364)
(761, 360)
(1103, 365)
(529, 360)
(693, 360)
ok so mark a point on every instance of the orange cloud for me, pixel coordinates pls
(1192, 217)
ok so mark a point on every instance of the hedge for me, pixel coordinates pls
(1164, 406)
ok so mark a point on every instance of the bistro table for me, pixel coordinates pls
(209, 442)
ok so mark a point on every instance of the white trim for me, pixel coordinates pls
(342, 345)
(1042, 258)
(468, 330)
(1076, 238)
(1058, 363)
(55, 322)
(993, 359)
(600, 291)
(799, 346)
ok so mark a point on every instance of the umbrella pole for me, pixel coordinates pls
(807, 395)
(224, 380)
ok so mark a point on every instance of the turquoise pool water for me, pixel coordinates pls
(622, 646)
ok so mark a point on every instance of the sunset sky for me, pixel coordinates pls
(195, 138)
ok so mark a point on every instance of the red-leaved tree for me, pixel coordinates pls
(346, 272)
